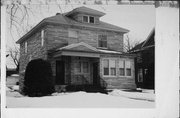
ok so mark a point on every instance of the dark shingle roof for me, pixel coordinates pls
(62, 19)
(147, 43)
(86, 11)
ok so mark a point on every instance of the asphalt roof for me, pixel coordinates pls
(63, 19)
(148, 42)
(85, 10)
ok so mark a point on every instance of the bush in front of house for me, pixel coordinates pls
(38, 80)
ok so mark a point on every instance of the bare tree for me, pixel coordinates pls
(129, 44)
(14, 54)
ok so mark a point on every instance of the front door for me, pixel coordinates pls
(95, 73)
(60, 72)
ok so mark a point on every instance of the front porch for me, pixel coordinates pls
(75, 73)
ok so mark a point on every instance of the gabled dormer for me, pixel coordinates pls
(85, 15)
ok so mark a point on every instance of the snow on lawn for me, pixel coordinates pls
(148, 96)
(76, 100)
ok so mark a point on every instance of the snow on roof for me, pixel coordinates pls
(76, 45)
(109, 51)
(62, 19)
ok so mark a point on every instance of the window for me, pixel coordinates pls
(128, 68)
(88, 19)
(102, 41)
(81, 67)
(112, 67)
(91, 19)
(42, 37)
(121, 68)
(85, 19)
(85, 67)
(25, 47)
(73, 33)
(106, 67)
(109, 67)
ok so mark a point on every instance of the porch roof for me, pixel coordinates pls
(82, 49)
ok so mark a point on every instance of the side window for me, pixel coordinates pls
(42, 37)
(102, 41)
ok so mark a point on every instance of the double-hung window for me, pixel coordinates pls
(109, 67)
(125, 68)
(106, 66)
(128, 68)
(112, 64)
(102, 41)
(81, 67)
(88, 19)
(122, 68)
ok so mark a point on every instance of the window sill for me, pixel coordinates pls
(109, 76)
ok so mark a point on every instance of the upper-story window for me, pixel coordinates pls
(25, 47)
(85, 19)
(91, 19)
(42, 37)
(102, 41)
(88, 19)
(72, 33)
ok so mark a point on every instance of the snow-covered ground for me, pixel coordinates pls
(115, 99)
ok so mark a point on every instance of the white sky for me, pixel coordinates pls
(139, 19)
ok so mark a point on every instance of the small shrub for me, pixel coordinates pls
(38, 79)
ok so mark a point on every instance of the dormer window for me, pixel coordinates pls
(91, 19)
(88, 19)
(85, 19)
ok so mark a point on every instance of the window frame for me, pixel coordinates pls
(82, 67)
(128, 68)
(123, 68)
(100, 40)
(125, 71)
(109, 67)
(88, 19)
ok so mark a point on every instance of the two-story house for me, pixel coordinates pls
(81, 48)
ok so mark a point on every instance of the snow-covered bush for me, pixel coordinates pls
(38, 79)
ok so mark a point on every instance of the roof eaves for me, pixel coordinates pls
(148, 38)
(31, 31)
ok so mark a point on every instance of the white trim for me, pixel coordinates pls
(109, 59)
(106, 41)
(42, 37)
(79, 44)
(88, 16)
(25, 47)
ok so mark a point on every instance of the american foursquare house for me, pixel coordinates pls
(82, 50)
